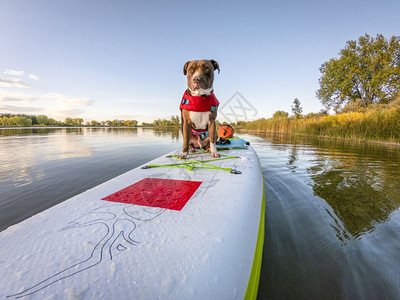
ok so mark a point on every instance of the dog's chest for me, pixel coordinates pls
(200, 119)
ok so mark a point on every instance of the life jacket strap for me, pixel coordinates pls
(203, 133)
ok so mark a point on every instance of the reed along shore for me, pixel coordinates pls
(378, 124)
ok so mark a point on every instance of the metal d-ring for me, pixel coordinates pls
(235, 171)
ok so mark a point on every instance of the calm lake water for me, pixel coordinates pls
(332, 208)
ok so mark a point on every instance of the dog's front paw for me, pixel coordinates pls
(183, 155)
(215, 154)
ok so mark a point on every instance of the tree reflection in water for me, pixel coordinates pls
(361, 189)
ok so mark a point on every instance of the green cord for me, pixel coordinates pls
(190, 164)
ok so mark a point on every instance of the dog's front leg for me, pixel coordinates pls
(212, 132)
(186, 138)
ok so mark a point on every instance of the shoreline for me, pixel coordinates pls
(354, 140)
(244, 130)
(60, 127)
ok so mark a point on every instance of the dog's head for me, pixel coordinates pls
(200, 76)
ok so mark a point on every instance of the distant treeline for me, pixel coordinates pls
(23, 120)
(378, 122)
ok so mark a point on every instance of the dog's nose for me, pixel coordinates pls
(196, 79)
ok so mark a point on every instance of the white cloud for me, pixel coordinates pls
(10, 82)
(14, 73)
(54, 105)
(72, 112)
(33, 76)
(128, 117)
(20, 74)
(128, 101)
(50, 104)
(20, 109)
(73, 101)
(16, 97)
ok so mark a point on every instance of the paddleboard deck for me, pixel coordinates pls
(188, 234)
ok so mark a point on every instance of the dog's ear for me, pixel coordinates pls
(185, 68)
(215, 65)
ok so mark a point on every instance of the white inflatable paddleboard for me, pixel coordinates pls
(171, 229)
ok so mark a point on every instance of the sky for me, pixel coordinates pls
(105, 60)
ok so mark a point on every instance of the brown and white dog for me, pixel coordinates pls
(199, 107)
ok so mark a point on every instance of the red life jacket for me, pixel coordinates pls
(199, 103)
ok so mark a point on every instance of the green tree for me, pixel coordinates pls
(69, 122)
(54, 122)
(242, 123)
(157, 123)
(32, 117)
(115, 123)
(367, 69)
(42, 120)
(4, 121)
(279, 114)
(164, 123)
(175, 120)
(94, 123)
(20, 121)
(78, 121)
(296, 108)
(130, 123)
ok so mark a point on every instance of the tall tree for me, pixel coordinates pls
(367, 69)
(296, 108)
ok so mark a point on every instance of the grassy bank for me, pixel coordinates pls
(374, 124)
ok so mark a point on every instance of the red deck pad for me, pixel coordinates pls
(155, 192)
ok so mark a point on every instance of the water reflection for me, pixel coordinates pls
(332, 219)
(160, 132)
(40, 167)
(38, 130)
(358, 182)
(22, 153)
(293, 158)
(23, 150)
(359, 188)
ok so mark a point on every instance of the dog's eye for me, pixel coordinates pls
(190, 70)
